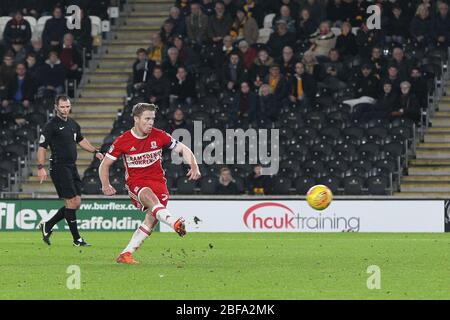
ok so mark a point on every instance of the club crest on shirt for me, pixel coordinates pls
(153, 145)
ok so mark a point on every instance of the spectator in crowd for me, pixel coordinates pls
(32, 66)
(378, 61)
(157, 51)
(367, 39)
(287, 62)
(292, 4)
(157, 89)
(311, 65)
(260, 68)
(306, 26)
(83, 35)
(207, 7)
(277, 83)
(17, 30)
(409, 106)
(244, 28)
(178, 21)
(7, 72)
(172, 63)
(51, 76)
(197, 24)
(335, 73)
(441, 25)
(178, 121)
(187, 56)
(18, 50)
(54, 30)
(322, 41)
(401, 62)
(346, 42)
(419, 85)
(384, 106)
(280, 39)
(256, 182)
(167, 32)
(421, 26)
(366, 87)
(335, 12)
(230, 8)
(267, 106)
(219, 25)
(32, 8)
(316, 8)
(245, 103)
(398, 26)
(247, 54)
(142, 69)
(22, 90)
(182, 88)
(38, 49)
(185, 9)
(285, 15)
(394, 78)
(303, 87)
(71, 58)
(226, 185)
(233, 73)
(220, 55)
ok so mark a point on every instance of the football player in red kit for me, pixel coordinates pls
(141, 150)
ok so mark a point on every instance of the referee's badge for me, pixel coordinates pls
(42, 139)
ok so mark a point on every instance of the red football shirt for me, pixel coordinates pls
(142, 155)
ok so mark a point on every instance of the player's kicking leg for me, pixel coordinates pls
(157, 212)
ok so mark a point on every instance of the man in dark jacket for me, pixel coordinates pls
(182, 89)
(303, 87)
(21, 90)
(385, 105)
(157, 89)
(54, 30)
(409, 105)
(335, 73)
(234, 72)
(219, 25)
(441, 25)
(52, 76)
(17, 29)
(280, 39)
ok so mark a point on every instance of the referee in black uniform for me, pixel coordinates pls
(63, 134)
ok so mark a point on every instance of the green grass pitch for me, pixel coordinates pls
(228, 266)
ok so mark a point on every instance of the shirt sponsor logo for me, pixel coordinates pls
(143, 160)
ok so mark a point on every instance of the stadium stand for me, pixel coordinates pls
(345, 131)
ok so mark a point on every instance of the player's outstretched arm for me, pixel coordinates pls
(103, 172)
(189, 158)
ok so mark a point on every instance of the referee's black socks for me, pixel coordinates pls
(71, 219)
(55, 219)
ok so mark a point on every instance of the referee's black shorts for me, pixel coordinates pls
(66, 179)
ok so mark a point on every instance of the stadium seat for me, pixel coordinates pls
(91, 185)
(264, 35)
(268, 20)
(32, 21)
(208, 185)
(118, 182)
(8, 166)
(3, 22)
(281, 185)
(26, 133)
(96, 26)
(353, 185)
(17, 150)
(303, 184)
(332, 182)
(378, 185)
(185, 186)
